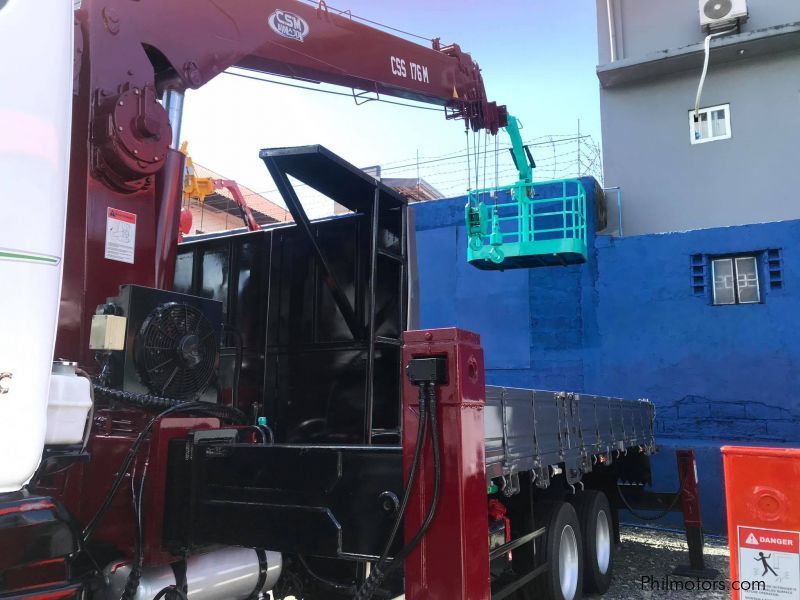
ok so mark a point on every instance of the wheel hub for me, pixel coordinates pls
(568, 562)
(603, 542)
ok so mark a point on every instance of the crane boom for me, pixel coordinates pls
(295, 39)
(128, 55)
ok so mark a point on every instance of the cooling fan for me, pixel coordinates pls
(720, 15)
(175, 351)
(717, 9)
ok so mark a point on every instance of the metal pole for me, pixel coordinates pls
(612, 30)
(372, 308)
(173, 103)
(690, 505)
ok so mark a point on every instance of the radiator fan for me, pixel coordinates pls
(175, 351)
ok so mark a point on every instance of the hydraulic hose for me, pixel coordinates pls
(175, 407)
(168, 406)
(342, 588)
(437, 480)
(664, 512)
(422, 431)
(150, 402)
(376, 577)
(379, 573)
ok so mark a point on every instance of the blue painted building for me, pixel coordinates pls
(638, 320)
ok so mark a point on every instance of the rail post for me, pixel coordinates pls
(690, 505)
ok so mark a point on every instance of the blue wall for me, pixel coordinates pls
(629, 323)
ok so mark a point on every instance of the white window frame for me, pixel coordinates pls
(739, 279)
(735, 283)
(726, 108)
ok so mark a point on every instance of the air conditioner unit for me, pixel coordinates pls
(722, 14)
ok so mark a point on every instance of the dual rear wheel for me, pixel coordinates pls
(578, 546)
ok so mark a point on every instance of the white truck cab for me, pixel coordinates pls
(36, 47)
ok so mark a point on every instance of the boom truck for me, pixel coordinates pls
(253, 414)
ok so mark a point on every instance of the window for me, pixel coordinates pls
(714, 123)
(736, 280)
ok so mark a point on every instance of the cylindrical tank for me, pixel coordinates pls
(227, 573)
(35, 119)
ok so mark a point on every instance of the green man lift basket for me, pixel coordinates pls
(527, 225)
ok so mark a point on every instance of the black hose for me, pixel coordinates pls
(325, 582)
(663, 513)
(422, 431)
(171, 589)
(379, 573)
(202, 407)
(135, 576)
(150, 402)
(376, 577)
(268, 429)
(437, 481)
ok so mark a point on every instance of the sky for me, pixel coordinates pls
(538, 57)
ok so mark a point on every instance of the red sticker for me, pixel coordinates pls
(121, 215)
(769, 539)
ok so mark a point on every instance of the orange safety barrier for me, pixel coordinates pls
(762, 488)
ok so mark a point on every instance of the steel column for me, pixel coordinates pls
(452, 560)
(173, 104)
(690, 505)
(371, 308)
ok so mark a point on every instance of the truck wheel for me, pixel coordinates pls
(563, 551)
(596, 521)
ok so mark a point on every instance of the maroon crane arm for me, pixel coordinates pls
(319, 45)
(129, 53)
(241, 203)
(291, 38)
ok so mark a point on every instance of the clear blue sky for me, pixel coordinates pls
(538, 57)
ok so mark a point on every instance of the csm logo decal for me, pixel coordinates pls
(288, 25)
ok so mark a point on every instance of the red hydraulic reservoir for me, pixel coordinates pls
(452, 559)
(762, 489)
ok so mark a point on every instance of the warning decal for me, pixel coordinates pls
(770, 556)
(120, 235)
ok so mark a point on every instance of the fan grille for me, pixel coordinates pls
(717, 9)
(175, 351)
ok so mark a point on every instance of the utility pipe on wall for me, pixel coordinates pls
(612, 30)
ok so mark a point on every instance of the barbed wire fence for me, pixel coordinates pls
(556, 156)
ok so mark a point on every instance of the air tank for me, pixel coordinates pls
(36, 56)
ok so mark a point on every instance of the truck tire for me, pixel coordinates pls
(563, 551)
(597, 525)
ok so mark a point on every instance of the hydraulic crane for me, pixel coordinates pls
(133, 61)
(249, 414)
(199, 188)
(130, 54)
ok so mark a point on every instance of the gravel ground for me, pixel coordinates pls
(647, 552)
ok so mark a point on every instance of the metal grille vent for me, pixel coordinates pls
(175, 351)
(717, 9)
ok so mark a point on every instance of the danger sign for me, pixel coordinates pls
(120, 235)
(770, 556)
